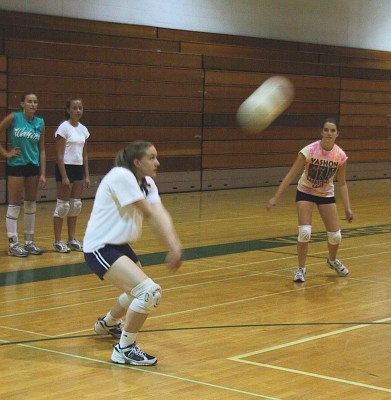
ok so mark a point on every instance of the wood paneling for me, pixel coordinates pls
(3, 63)
(247, 52)
(109, 150)
(65, 51)
(345, 51)
(126, 118)
(181, 89)
(297, 107)
(97, 70)
(93, 38)
(115, 102)
(275, 67)
(154, 134)
(8, 18)
(89, 86)
(203, 37)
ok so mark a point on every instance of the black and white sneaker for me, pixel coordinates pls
(32, 248)
(101, 328)
(300, 275)
(338, 267)
(131, 355)
(75, 245)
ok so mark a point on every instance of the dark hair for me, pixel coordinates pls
(68, 105)
(331, 120)
(134, 151)
(23, 97)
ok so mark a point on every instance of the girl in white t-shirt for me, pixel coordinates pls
(319, 163)
(125, 196)
(71, 173)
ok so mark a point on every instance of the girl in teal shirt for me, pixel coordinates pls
(26, 170)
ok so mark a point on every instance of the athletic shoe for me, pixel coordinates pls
(17, 250)
(131, 355)
(61, 247)
(75, 245)
(32, 248)
(300, 275)
(101, 328)
(338, 267)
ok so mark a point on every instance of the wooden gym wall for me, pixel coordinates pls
(180, 90)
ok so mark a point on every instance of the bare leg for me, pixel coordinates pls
(125, 274)
(63, 193)
(76, 192)
(304, 216)
(329, 215)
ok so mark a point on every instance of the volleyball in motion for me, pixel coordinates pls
(270, 100)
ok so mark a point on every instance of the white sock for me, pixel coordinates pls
(110, 320)
(127, 338)
(11, 221)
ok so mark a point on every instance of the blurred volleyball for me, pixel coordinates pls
(271, 99)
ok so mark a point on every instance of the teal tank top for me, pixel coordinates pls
(25, 135)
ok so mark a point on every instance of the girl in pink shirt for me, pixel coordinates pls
(320, 162)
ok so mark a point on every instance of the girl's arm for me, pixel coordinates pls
(297, 167)
(343, 187)
(42, 160)
(60, 150)
(4, 125)
(86, 169)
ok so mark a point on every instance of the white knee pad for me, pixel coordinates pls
(147, 295)
(30, 207)
(334, 237)
(62, 209)
(74, 207)
(124, 299)
(13, 211)
(304, 233)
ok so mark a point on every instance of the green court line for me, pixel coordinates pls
(70, 270)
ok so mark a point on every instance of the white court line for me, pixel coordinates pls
(240, 358)
(149, 371)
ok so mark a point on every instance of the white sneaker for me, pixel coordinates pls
(300, 275)
(101, 328)
(61, 247)
(338, 267)
(131, 355)
(17, 250)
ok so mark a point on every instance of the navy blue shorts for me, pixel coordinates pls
(300, 196)
(74, 172)
(22, 170)
(101, 260)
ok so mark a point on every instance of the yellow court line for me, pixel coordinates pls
(240, 358)
(150, 371)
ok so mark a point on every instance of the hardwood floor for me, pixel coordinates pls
(231, 325)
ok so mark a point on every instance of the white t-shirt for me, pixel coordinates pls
(114, 219)
(75, 137)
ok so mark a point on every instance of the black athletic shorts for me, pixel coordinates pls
(101, 260)
(300, 196)
(22, 170)
(74, 173)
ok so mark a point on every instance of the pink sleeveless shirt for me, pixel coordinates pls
(320, 168)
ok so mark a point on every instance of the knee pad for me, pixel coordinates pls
(304, 233)
(74, 207)
(13, 212)
(147, 295)
(30, 207)
(334, 237)
(124, 299)
(62, 209)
